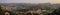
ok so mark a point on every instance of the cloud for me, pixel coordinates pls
(54, 1)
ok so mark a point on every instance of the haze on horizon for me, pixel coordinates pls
(30, 1)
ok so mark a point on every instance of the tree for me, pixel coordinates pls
(0, 10)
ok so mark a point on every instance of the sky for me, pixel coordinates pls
(30, 1)
(24, 1)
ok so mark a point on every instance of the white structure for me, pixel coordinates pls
(6, 13)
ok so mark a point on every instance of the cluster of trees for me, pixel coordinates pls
(0, 10)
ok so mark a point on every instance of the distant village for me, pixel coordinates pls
(27, 8)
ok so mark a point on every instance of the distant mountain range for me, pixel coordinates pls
(43, 5)
(30, 4)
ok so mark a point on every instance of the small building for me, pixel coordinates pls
(6, 13)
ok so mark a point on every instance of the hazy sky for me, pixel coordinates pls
(30, 1)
